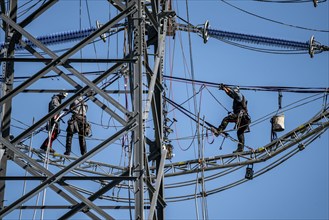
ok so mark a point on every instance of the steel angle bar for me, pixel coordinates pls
(65, 178)
(42, 186)
(69, 67)
(82, 91)
(96, 89)
(32, 16)
(110, 91)
(293, 142)
(73, 83)
(93, 197)
(89, 163)
(71, 60)
(71, 206)
(137, 30)
(54, 68)
(81, 171)
(53, 187)
(77, 86)
(63, 57)
(37, 12)
(53, 178)
(157, 183)
(158, 60)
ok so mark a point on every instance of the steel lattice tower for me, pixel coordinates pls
(135, 63)
(147, 24)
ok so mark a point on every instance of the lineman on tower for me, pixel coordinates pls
(77, 124)
(53, 125)
(239, 116)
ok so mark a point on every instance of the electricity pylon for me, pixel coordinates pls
(143, 19)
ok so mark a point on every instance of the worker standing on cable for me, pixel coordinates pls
(239, 116)
(77, 124)
(53, 124)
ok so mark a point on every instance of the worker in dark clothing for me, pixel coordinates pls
(53, 124)
(239, 116)
(77, 124)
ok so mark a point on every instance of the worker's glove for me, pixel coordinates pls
(221, 86)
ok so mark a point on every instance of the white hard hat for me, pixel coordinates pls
(63, 94)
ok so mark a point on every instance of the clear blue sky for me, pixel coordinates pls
(297, 189)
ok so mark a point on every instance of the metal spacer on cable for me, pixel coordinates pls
(311, 47)
(102, 36)
(205, 34)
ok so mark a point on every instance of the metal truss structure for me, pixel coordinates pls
(137, 14)
(148, 24)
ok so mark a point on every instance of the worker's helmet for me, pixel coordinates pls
(236, 89)
(62, 95)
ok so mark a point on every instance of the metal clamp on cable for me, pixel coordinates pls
(102, 36)
(205, 34)
(311, 47)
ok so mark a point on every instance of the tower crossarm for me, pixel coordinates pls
(312, 128)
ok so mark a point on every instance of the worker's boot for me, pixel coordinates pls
(215, 131)
(68, 145)
(82, 143)
(239, 149)
(218, 131)
(44, 147)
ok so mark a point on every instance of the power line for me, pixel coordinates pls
(271, 20)
(255, 88)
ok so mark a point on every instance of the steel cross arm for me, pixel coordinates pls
(81, 91)
(53, 178)
(93, 197)
(257, 157)
(111, 91)
(76, 85)
(65, 56)
(71, 60)
(89, 163)
(293, 134)
(53, 187)
(70, 207)
(80, 170)
(65, 178)
(62, 59)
